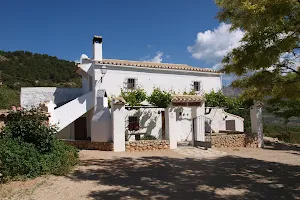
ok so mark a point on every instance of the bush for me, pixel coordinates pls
(134, 97)
(8, 97)
(18, 159)
(30, 127)
(232, 105)
(29, 148)
(148, 137)
(161, 99)
(192, 92)
(286, 133)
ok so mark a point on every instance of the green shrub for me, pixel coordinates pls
(286, 133)
(30, 127)
(8, 96)
(191, 92)
(159, 98)
(29, 148)
(148, 137)
(232, 105)
(134, 97)
(18, 160)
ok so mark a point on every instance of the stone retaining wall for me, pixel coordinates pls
(236, 140)
(147, 145)
(81, 144)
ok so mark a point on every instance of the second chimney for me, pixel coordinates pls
(97, 48)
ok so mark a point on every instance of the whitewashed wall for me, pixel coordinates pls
(33, 96)
(67, 133)
(150, 121)
(179, 81)
(184, 123)
(101, 126)
(219, 121)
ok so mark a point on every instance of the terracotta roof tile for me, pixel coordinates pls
(155, 65)
(187, 99)
(118, 100)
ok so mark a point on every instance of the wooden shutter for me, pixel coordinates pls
(125, 84)
(230, 125)
(135, 83)
(192, 86)
(200, 87)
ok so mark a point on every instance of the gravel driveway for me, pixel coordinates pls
(243, 173)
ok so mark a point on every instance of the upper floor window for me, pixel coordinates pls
(131, 83)
(197, 86)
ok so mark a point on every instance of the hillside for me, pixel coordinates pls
(25, 69)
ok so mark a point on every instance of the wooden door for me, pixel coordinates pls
(80, 129)
(230, 125)
(163, 125)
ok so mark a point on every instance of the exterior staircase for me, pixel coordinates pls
(66, 114)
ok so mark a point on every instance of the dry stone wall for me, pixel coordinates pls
(147, 145)
(235, 140)
(81, 144)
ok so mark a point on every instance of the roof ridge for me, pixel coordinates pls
(142, 61)
(148, 64)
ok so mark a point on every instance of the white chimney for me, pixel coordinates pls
(97, 48)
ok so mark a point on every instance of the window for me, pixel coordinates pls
(197, 86)
(131, 83)
(133, 123)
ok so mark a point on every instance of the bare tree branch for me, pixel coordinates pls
(293, 70)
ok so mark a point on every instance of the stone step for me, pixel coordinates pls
(183, 143)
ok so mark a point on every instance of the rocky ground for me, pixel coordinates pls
(239, 173)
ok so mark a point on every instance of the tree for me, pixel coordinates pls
(134, 97)
(25, 69)
(268, 60)
(159, 98)
(233, 105)
(285, 108)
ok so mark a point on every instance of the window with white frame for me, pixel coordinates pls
(197, 86)
(131, 83)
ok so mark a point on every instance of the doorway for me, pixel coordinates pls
(230, 125)
(80, 129)
(163, 125)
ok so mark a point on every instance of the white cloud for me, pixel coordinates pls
(149, 46)
(158, 58)
(227, 79)
(212, 46)
(293, 60)
(217, 66)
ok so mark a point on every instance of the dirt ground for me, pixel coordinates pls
(244, 173)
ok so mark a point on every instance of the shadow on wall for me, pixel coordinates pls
(148, 121)
(62, 96)
(231, 178)
(184, 119)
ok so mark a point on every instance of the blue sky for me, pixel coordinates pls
(161, 31)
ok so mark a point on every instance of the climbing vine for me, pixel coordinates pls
(134, 97)
(160, 98)
(192, 92)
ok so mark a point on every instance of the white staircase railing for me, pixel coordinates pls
(69, 112)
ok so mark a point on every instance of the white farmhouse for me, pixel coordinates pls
(83, 113)
(147, 75)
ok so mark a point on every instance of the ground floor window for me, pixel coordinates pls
(133, 123)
